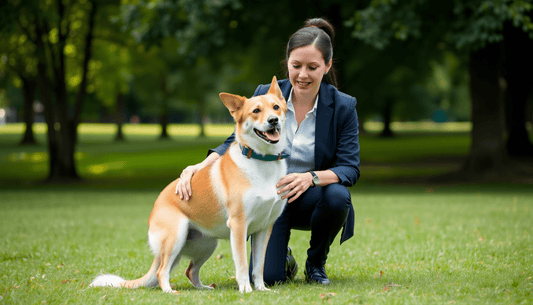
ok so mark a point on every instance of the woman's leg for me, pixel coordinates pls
(328, 217)
(323, 210)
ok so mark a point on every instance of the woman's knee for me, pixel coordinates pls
(336, 197)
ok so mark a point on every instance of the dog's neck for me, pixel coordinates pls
(251, 154)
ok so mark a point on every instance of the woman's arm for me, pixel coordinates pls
(183, 187)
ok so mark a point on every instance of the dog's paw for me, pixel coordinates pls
(261, 287)
(246, 288)
(172, 291)
(210, 287)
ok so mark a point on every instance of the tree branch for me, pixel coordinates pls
(25, 30)
(87, 56)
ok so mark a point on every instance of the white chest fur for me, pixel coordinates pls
(261, 203)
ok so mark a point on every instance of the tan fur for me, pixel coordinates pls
(190, 228)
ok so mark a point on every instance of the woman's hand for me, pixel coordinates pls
(295, 185)
(183, 187)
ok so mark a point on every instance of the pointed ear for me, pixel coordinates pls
(274, 88)
(233, 102)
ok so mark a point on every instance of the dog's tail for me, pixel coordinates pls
(109, 280)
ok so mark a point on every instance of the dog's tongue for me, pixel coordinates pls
(272, 135)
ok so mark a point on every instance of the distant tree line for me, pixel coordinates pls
(401, 59)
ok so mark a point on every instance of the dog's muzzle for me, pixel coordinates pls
(271, 135)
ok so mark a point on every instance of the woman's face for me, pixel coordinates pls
(306, 68)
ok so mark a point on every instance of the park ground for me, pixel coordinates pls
(418, 240)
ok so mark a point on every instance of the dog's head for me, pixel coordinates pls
(260, 119)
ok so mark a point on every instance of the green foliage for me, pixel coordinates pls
(18, 37)
(466, 25)
(112, 65)
(480, 23)
(195, 25)
(419, 36)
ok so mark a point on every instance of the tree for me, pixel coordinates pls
(517, 62)
(474, 28)
(18, 60)
(195, 26)
(112, 66)
(57, 30)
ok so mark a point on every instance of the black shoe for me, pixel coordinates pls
(291, 266)
(315, 274)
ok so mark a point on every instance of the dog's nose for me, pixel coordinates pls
(273, 120)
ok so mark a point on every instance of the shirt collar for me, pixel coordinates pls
(290, 106)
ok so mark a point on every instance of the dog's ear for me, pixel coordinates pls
(274, 88)
(233, 102)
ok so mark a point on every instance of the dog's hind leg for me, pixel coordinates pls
(199, 250)
(172, 237)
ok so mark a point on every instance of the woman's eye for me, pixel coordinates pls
(296, 66)
(276, 107)
(257, 110)
(312, 68)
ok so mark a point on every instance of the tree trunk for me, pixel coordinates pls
(201, 109)
(28, 91)
(163, 116)
(387, 119)
(488, 154)
(517, 72)
(62, 128)
(119, 116)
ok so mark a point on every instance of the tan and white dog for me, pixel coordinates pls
(233, 198)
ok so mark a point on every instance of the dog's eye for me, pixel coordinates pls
(257, 110)
(276, 107)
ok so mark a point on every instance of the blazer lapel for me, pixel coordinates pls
(285, 86)
(323, 122)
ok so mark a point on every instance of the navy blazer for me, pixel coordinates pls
(336, 137)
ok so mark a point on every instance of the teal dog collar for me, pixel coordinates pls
(250, 154)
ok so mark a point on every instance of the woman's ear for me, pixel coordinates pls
(328, 66)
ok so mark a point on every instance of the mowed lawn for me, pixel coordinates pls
(425, 243)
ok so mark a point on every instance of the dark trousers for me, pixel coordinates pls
(323, 210)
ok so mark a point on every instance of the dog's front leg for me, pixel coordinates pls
(238, 248)
(259, 245)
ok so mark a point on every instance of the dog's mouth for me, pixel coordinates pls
(271, 135)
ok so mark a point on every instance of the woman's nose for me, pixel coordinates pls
(303, 73)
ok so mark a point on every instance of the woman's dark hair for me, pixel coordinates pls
(317, 32)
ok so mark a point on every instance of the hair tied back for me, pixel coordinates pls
(317, 32)
(321, 24)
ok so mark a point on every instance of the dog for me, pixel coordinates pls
(233, 198)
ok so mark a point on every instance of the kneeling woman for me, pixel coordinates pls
(323, 135)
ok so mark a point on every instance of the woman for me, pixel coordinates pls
(323, 135)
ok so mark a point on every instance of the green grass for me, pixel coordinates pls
(413, 243)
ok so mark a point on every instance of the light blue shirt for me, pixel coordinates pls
(301, 140)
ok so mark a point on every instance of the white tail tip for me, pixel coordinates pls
(108, 280)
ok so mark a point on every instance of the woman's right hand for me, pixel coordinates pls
(183, 187)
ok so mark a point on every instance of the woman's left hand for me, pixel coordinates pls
(295, 184)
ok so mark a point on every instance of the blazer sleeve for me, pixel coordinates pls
(346, 165)
(222, 148)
